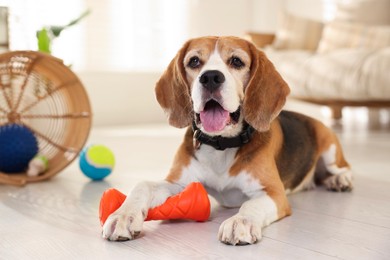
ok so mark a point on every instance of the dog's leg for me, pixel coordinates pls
(126, 222)
(246, 226)
(339, 176)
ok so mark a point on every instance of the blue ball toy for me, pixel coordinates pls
(96, 161)
(18, 145)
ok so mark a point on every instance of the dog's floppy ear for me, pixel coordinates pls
(265, 94)
(173, 93)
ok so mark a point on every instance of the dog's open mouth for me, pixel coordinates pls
(215, 118)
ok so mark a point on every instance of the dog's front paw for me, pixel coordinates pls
(239, 230)
(121, 226)
(339, 182)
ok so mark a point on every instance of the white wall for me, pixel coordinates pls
(318, 10)
(119, 98)
(265, 15)
(220, 17)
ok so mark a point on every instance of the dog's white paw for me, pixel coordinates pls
(339, 182)
(239, 230)
(121, 226)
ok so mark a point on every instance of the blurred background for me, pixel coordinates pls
(120, 49)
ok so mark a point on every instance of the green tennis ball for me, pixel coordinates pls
(96, 161)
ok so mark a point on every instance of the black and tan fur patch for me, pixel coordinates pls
(298, 153)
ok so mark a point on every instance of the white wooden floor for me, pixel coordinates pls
(59, 219)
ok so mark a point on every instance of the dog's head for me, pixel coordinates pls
(220, 82)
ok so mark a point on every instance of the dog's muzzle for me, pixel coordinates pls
(214, 117)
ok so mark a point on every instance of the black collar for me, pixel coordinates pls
(221, 143)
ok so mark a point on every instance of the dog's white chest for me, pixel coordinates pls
(230, 198)
(211, 168)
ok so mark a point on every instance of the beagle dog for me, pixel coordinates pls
(239, 144)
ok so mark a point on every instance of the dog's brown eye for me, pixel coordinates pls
(194, 62)
(236, 62)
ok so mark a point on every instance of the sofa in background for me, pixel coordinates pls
(343, 62)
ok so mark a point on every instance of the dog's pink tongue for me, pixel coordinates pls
(214, 119)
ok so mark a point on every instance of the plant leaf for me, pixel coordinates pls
(78, 19)
(56, 30)
(44, 41)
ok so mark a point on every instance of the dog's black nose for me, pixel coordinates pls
(212, 80)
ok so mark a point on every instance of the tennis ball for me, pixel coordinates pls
(96, 161)
(37, 165)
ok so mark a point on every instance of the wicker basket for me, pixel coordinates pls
(41, 93)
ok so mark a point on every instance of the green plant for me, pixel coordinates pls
(47, 34)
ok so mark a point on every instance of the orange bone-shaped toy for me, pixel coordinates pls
(192, 203)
